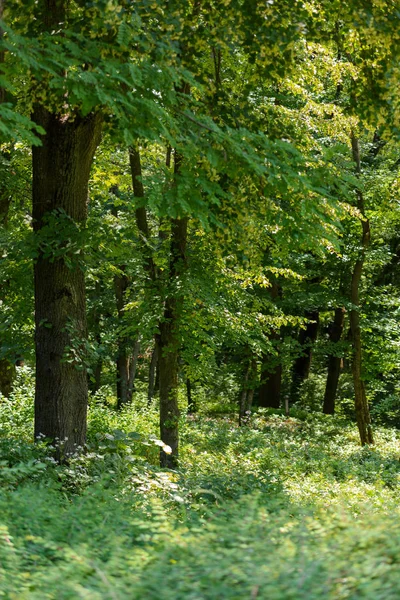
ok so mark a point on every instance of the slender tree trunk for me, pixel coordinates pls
(61, 168)
(302, 364)
(7, 368)
(361, 403)
(269, 394)
(247, 394)
(192, 404)
(334, 363)
(94, 380)
(169, 340)
(121, 284)
(152, 372)
(132, 370)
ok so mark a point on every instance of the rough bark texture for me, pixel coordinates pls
(61, 168)
(361, 403)
(169, 342)
(302, 364)
(334, 363)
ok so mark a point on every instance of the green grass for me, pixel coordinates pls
(285, 508)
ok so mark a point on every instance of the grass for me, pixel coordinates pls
(284, 508)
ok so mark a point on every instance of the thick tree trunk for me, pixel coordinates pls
(361, 403)
(334, 363)
(169, 341)
(61, 168)
(302, 364)
(269, 395)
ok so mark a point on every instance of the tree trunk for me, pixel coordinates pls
(247, 394)
(7, 368)
(302, 364)
(94, 380)
(192, 405)
(132, 370)
(361, 403)
(269, 394)
(121, 284)
(334, 363)
(61, 168)
(152, 372)
(169, 340)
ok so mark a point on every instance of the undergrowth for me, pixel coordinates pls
(283, 508)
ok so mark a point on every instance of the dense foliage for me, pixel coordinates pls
(199, 299)
(283, 508)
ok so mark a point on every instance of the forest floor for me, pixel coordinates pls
(283, 508)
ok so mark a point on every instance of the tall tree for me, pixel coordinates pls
(61, 169)
(361, 402)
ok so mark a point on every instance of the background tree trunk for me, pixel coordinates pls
(169, 342)
(302, 364)
(152, 372)
(7, 368)
(247, 394)
(361, 403)
(121, 284)
(334, 362)
(269, 394)
(61, 168)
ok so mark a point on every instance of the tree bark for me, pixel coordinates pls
(334, 362)
(169, 342)
(361, 404)
(61, 168)
(302, 364)
(271, 385)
